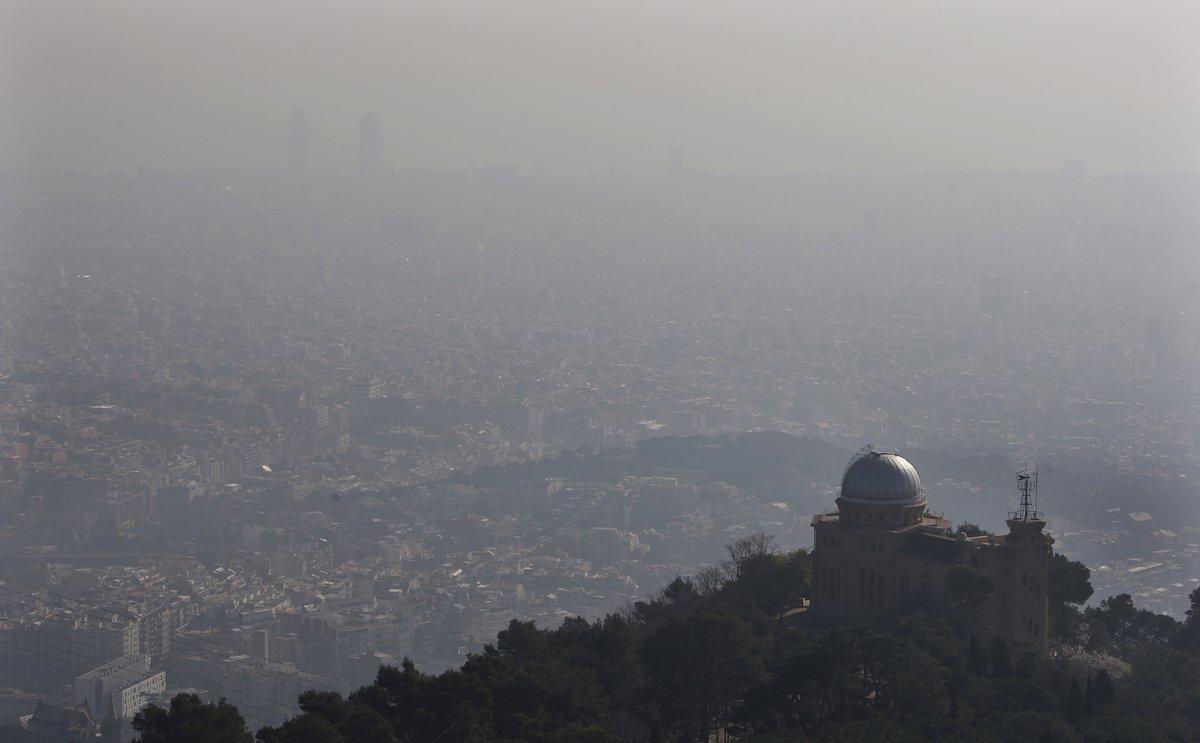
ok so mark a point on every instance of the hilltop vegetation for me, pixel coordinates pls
(724, 654)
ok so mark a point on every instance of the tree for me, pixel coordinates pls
(968, 585)
(975, 662)
(1073, 709)
(189, 720)
(966, 591)
(1001, 663)
(522, 639)
(1014, 694)
(421, 707)
(772, 582)
(710, 580)
(1128, 624)
(808, 686)
(1099, 637)
(1189, 635)
(688, 662)
(746, 550)
(363, 723)
(1104, 688)
(1118, 614)
(1068, 586)
(306, 728)
(1028, 663)
(329, 718)
(913, 682)
(698, 664)
(1068, 581)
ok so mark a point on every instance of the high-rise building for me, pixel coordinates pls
(362, 393)
(298, 142)
(370, 144)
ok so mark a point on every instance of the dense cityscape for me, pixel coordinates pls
(263, 434)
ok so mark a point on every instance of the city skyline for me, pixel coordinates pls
(454, 370)
(751, 88)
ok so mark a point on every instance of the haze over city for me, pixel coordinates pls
(582, 86)
(555, 372)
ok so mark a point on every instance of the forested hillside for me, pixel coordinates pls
(728, 655)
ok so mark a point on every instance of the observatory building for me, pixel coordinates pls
(881, 551)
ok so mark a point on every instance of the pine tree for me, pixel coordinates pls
(1104, 688)
(1074, 706)
(1001, 663)
(975, 661)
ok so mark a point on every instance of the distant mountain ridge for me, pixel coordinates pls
(772, 464)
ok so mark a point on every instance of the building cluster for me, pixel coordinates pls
(239, 419)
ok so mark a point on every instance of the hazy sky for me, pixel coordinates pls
(740, 86)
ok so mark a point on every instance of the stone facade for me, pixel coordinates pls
(882, 552)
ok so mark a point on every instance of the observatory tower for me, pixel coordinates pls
(882, 552)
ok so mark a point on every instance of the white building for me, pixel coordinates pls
(124, 683)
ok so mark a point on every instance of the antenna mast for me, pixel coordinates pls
(1035, 487)
(1027, 486)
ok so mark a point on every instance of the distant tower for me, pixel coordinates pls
(362, 393)
(1025, 611)
(370, 145)
(676, 161)
(298, 142)
(260, 645)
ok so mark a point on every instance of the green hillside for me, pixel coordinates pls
(731, 655)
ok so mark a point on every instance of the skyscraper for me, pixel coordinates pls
(362, 393)
(370, 145)
(298, 142)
